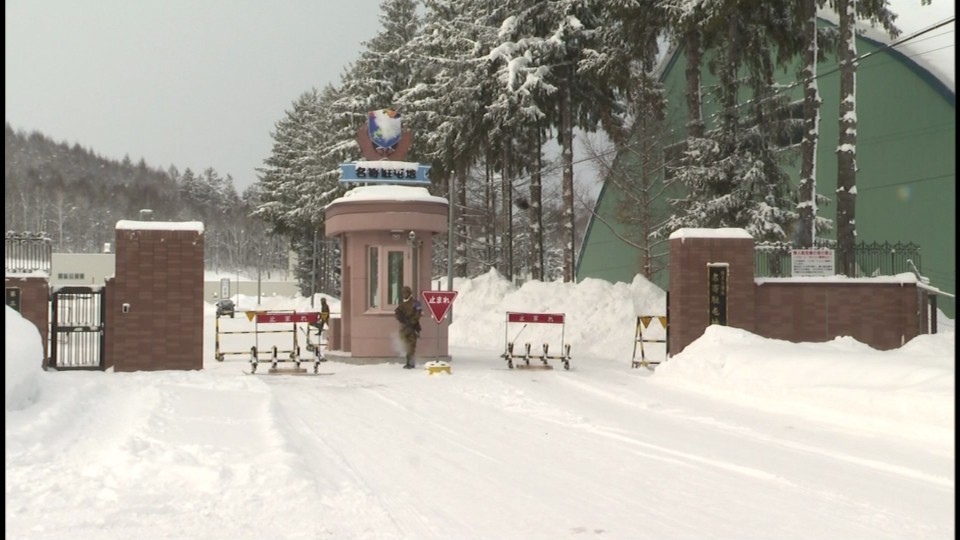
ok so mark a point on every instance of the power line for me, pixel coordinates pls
(908, 182)
(778, 93)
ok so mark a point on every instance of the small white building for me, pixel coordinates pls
(92, 269)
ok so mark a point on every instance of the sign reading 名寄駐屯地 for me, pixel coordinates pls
(439, 302)
(385, 172)
(812, 262)
(717, 292)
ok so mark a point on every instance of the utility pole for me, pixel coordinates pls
(313, 275)
(450, 239)
(259, 266)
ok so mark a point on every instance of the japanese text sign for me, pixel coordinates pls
(439, 302)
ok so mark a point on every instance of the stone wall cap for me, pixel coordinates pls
(124, 224)
(730, 232)
(903, 278)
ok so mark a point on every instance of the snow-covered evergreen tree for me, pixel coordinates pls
(292, 167)
(568, 39)
(733, 175)
(447, 101)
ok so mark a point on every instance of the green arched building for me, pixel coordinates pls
(906, 136)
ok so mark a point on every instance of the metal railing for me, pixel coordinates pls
(772, 259)
(27, 252)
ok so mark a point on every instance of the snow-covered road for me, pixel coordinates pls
(600, 451)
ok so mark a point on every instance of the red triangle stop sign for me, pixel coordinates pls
(439, 302)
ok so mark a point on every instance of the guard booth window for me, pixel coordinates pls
(374, 276)
(391, 277)
(394, 275)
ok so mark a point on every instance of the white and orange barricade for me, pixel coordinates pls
(277, 349)
(510, 354)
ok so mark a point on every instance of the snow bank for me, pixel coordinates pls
(600, 316)
(23, 361)
(908, 391)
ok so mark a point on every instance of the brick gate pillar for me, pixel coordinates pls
(155, 299)
(696, 256)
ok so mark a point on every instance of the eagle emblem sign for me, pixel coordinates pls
(385, 137)
(385, 129)
(384, 142)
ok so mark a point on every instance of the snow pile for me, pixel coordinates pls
(909, 391)
(23, 361)
(600, 316)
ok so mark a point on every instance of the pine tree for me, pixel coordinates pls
(564, 44)
(291, 167)
(733, 176)
(848, 11)
(807, 206)
(376, 78)
(448, 101)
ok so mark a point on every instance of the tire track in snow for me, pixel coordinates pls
(935, 480)
(349, 494)
(560, 415)
(491, 390)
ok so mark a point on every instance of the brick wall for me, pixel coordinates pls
(883, 315)
(159, 274)
(34, 305)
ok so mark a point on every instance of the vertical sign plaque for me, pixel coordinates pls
(225, 287)
(717, 292)
(13, 298)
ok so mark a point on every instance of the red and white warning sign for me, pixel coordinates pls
(284, 317)
(439, 302)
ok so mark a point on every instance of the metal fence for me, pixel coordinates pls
(872, 258)
(27, 252)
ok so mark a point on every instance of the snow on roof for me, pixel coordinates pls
(124, 224)
(388, 193)
(733, 232)
(933, 51)
(15, 273)
(905, 277)
(387, 164)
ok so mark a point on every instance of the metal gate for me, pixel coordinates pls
(76, 328)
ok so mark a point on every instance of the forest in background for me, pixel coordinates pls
(76, 197)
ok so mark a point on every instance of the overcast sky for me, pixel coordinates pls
(175, 82)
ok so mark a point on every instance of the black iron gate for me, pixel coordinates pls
(76, 328)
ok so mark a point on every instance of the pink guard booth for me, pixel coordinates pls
(386, 238)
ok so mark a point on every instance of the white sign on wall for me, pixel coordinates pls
(224, 287)
(812, 262)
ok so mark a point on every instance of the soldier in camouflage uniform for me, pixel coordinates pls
(408, 313)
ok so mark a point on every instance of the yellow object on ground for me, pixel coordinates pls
(437, 367)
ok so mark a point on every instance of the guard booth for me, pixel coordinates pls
(386, 241)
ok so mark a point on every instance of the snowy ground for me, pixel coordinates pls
(738, 437)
